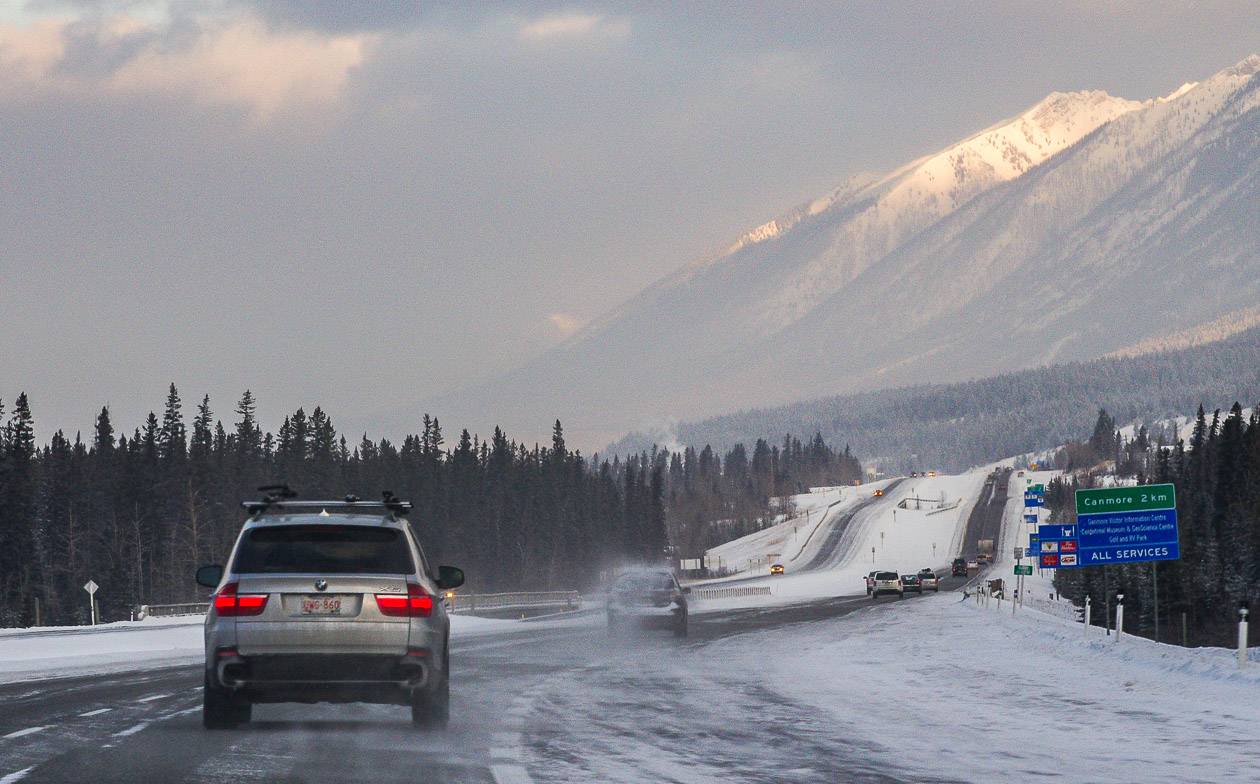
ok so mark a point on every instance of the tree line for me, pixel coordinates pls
(139, 512)
(959, 425)
(1217, 480)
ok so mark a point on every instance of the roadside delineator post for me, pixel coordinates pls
(1119, 616)
(1242, 635)
(1087, 608)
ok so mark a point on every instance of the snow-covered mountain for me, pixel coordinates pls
(1085, 225)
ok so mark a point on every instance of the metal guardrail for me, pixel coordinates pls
(167, 610)
(474, 602)
(730, 593)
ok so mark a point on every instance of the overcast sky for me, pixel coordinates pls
(362, 205)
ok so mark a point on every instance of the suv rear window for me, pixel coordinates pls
(886, 576)
(644, 581)
(323, 549)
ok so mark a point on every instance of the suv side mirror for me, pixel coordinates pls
(209, 576)
(449, 577)
(686, 589)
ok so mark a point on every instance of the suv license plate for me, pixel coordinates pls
(321, 605)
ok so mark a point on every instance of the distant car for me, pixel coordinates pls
(887, 582)
(879, 493)
(1021, 473)
(776, 569)
(647, 597)
(973, 566)
(910, 583)
(959, 567)
(928, 579)
(870, 582)
(931, 473)
(914, 474)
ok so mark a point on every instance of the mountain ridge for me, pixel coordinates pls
(1013, 247)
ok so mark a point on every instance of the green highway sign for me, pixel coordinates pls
(1038, 488)
(1026, 569)
(1125, 499)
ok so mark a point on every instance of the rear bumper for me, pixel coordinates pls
(647, 616)
(325, 677)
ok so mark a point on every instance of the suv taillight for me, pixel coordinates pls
(229, 604)
(415, 603)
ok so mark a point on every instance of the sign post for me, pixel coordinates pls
(90, 586)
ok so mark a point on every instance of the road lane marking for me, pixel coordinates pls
(153, 697)
(96, 712)
(510, 774)
(21, 733)
(17, 775)
(131, 730)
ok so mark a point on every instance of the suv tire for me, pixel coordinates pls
(220, 710)
(432, 708)
(680, 628)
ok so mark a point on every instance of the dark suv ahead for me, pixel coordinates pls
(327, 601)
(959, 567)
(647, 597)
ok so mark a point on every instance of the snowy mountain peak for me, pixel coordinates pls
(1015, 246)
(1180, 91)
(1248, 66)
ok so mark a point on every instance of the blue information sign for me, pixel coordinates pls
(1030, 518)
(1032, 499)
(1127, 553)
(1124, 535)
(1056, 531)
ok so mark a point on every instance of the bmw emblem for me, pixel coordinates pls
(321, 585)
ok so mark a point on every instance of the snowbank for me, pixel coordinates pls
(941, 688)
(60, 651)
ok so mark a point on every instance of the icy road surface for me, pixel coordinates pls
(841, 689)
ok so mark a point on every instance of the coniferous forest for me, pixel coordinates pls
(1217, 480)
(137, 512)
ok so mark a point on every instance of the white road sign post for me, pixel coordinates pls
(90, 586)
(1119, 616)
(1242, 637)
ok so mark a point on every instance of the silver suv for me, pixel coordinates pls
(327, 601)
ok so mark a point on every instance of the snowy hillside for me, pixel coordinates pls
(1085, 225)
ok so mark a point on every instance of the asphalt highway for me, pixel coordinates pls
(518, 701)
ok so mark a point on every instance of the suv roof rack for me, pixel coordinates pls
(281, 497)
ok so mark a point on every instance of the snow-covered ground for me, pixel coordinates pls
(58, 651)
(938, 689)
(946, 688)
